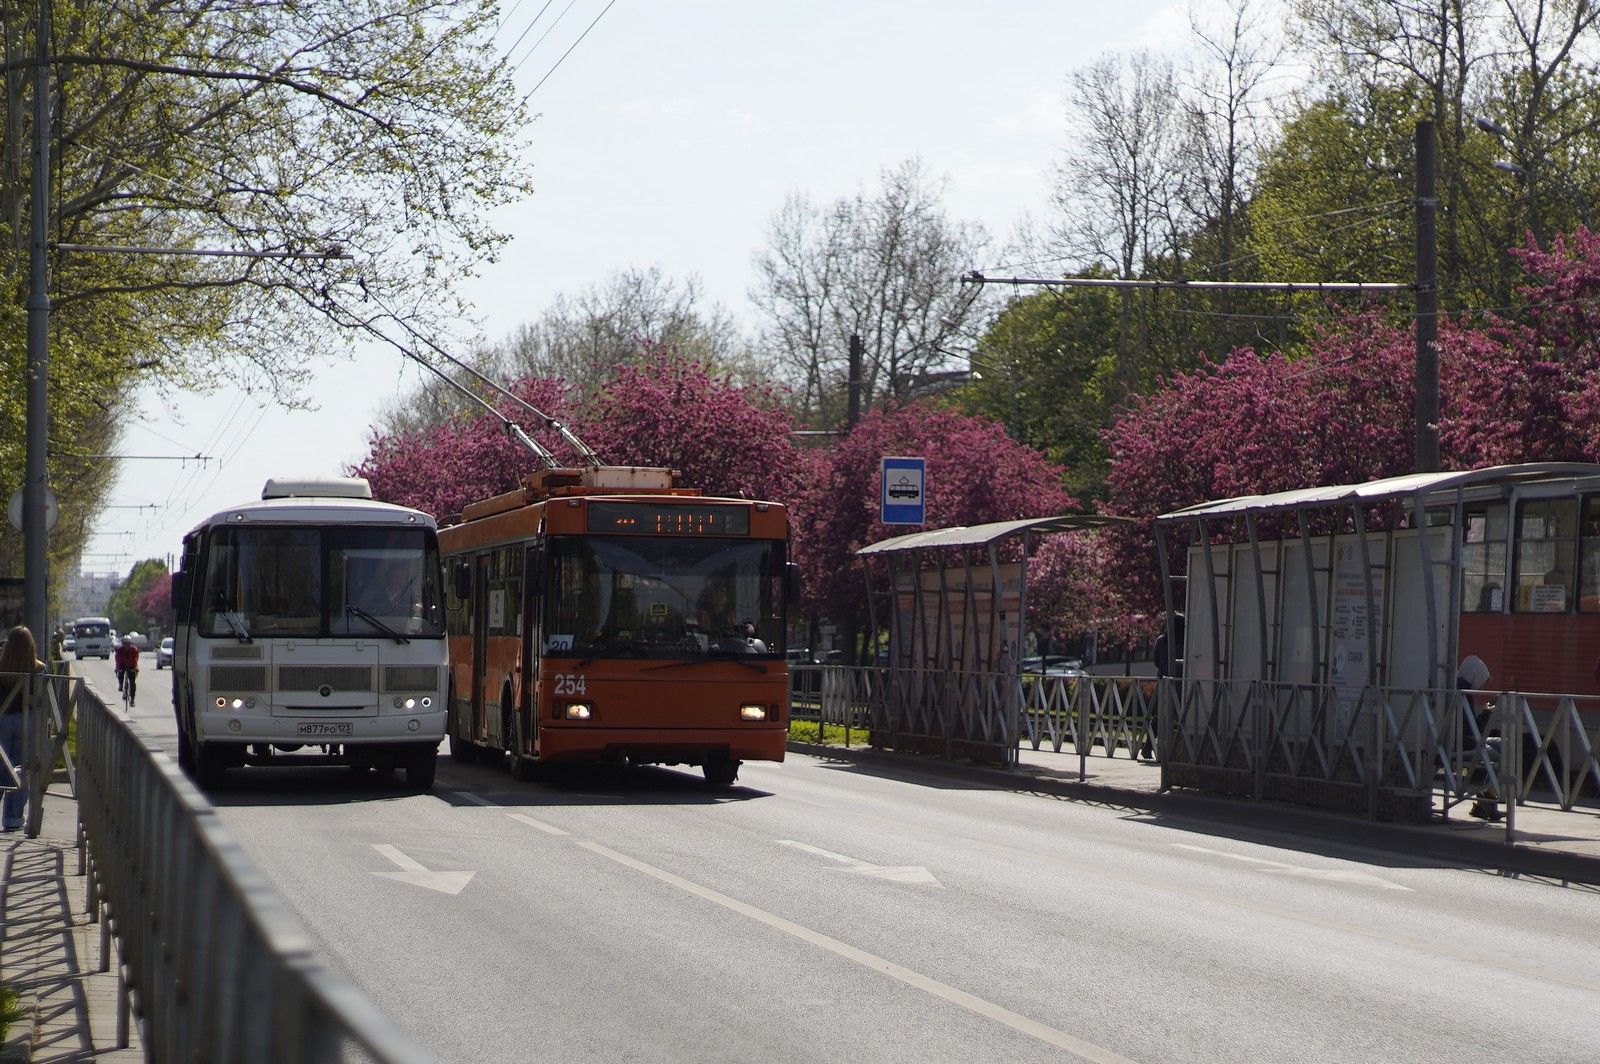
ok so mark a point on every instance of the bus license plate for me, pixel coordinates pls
(326, 727)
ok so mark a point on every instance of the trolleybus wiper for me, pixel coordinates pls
(231, 618)
(710, 655)
(351, 607)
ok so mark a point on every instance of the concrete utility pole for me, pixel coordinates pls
(1427, 289)
(35, 485)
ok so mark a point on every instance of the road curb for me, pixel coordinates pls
(1432, 841)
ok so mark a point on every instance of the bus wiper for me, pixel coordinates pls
(711, 655)
(607, 646)
(231, 617)
(351, 607)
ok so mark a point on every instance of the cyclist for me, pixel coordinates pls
(127, 668)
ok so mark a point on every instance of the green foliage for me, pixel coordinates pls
(123, 607)
(11, 1009)
(1048, 374)
(381, 129)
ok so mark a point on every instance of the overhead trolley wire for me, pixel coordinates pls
(568, 52)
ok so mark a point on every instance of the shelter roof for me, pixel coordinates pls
(1390, 488)
(983, 535)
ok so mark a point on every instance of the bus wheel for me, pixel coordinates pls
(209, 765)
(421, 768)
(522, 768)
(721, 772)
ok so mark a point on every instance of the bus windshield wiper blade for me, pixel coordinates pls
(351, 607)
(737, 659)
(231, 618)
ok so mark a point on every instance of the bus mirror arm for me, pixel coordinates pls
(180, 596)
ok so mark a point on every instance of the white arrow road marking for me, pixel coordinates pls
(1331, 875)
(893, 873)
(414, 873)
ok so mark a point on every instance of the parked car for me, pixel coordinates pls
(69, 644)
(802, 656)
(164, 653)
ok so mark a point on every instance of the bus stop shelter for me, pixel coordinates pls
(1323, 631)
(957, 598)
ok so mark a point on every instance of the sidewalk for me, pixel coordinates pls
(1550, 843)
(51, 952)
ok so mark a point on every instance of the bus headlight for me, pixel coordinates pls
(579, 711)
(751, 711)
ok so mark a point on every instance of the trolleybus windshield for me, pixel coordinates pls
(309, 582)
(669, 597)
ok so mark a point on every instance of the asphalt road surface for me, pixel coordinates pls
(823, 911)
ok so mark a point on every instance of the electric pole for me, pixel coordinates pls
(35, 485)
(1427, 288)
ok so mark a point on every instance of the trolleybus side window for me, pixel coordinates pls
(1589, 557)
(1483, 558)
(1546, 541)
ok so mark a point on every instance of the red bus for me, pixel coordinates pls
(608, 615)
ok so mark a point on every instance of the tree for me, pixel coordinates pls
(1045, 371)
(381, 131)
(125, 605)
(440, 468)
(156, 603)
(975, 473)
(722, 437)
(882, 267)
(1253, 424)
(1116, 186)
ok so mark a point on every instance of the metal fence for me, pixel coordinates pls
(208, 958)
(1388, 751)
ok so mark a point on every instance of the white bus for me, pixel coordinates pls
(92, 638)
(310, 630)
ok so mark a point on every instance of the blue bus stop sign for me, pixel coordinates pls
(904, 490)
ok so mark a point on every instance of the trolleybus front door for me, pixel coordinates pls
(482, 725)
(532, 639)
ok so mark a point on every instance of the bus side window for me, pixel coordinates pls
(1589, 557)
(1483, 558)
(1546, 540)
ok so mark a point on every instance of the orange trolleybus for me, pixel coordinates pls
(606, 615)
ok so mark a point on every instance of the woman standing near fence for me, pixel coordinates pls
(18, 661)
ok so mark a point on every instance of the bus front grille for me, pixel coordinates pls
(410, 678)
(237, 677)
(315, 677)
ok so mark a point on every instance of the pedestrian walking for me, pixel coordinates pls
(19, 662)
(1168, 656)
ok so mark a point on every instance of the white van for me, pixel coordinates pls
(93, 638)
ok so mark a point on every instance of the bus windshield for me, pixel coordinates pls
(663, 597)
(310, 582)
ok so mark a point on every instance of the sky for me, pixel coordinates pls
(669, 137)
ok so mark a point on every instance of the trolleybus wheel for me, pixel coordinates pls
(522, 768)
(721, 772)
(421, 768)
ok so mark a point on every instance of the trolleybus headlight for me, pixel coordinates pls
(751, 711)
(579, 711)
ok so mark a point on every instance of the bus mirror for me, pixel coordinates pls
(791, 583)
(461, 574)
(180, 596)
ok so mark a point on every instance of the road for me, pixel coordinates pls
(836, 912)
